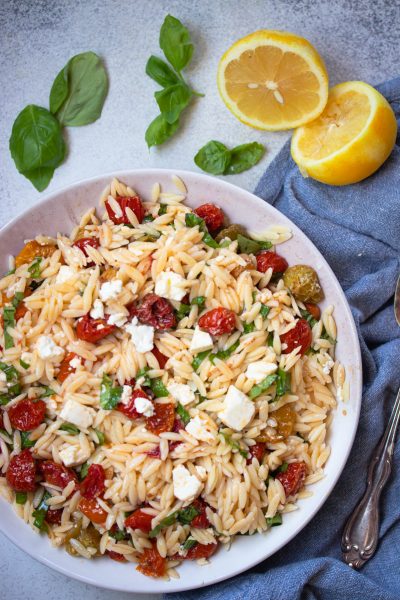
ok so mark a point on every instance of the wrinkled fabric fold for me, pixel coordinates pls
(357, 229)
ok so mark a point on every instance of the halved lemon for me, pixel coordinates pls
(273, 80)
(350, 140)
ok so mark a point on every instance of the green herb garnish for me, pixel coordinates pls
(119, 535)
(21, 497)
(198, 301)
(224, 354)
(264, 311)
(275, 520)
(282, 383)
(234, 444)
(100, 436)
(183, 311)
(263, 386)
(248, 327)
(249, 246)
(109, 395)
(217, 159)
(40, 512)
(198, 359)
(193, 220)
(148, 219)
(162, 210)
(308, 316)
(9, 321)
(184, 516)
(158, 388)
(48, 392)
(70, 428)
(34, 269)
(182, 413)
(23, 364)
(26, 442)
(189, 543)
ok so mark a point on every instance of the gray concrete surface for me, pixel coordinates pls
(357, 38)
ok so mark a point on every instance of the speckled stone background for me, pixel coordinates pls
(359, 39)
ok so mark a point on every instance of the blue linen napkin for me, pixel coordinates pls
(357, 229)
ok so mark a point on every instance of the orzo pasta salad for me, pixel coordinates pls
(166, 381)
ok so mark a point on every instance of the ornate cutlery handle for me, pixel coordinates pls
(361, 533)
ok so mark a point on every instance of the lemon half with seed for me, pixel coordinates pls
(273, 80)
(350, 140)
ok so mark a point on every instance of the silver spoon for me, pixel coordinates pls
(361, 533)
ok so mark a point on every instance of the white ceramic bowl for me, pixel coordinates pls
(60, 211)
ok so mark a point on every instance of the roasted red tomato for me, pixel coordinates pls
(162, 420)
(132, 202)
(129, 409)
(300, 335)
(201, 521)
(151, 563)
(313, 309)
(161, 358)
(93, 330)
(199, 551)
(92, 510)
(21, 309)
(21, 472)
(212, 215)
(83, 243)
(257, 451)
(293, 478)
(155, 311)
(218, 321)
(56, 474)
(116, 556)
(94, 483)
(267, 259)
(65, 366)
(31, 250)
(53, 516)
(27, 414)
(139, 520)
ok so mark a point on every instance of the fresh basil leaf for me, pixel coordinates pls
(9, 321)
(23, 364)
(192, 220)
(244, 157)
(213, 158)
(84, 470)
(183, 311)
(209, 240)
(100, 436)
(283, 468)
(41, 512)
(70, 428)
(18, 296)
(87, 87)
(148, 219)
(182, 413)
(26, 442)
(159, 131)
(37, 145)
(196, 362)
(48, 392)
(234, 444)
(35, 284)
(308, 316)
(109, 395)
(186, 515)
(264, 310)
(270, 339)
(224, 354)
(162, 210)
(158, 388)
(175, 43)
(34, 268)
(189, 543)
(172, 101)
(198, 301)
(21, 497)
(146, 379)
(262, 387)
(249, 246)
(282, 383)
(10, 372)
(274, 521)
(248, 327)
(166, 522)
(119, 534)
(158, 70)
(326, 336)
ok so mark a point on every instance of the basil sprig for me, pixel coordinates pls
(109, 395)
(176, 95)
(215, 158)
(184, 516)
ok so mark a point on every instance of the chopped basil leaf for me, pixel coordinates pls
(249, 246)
(198, 301)
(183, 311)
(248, 327)
(196, 362)
(70, 428)
(282, 383)
(18, 296)
(190, 543)
(264, 310)
(148, 219)
(193, 220)
(274, 521)
(270, 339)
(35, 284)
(146, 379)
(262, 387)
(10, 372)
(184, 516)
(162, 210)
(34, 269)
(224, 354)
(84, 470)
(47, 392)
(21, 497)
(283, 467)
(166, 522)
(209, 241)
(41, 511)
(23, 364)
(100, 436)
(158, 388)
(9, 321)
(308, 316)
(324, 336)
(234, 444)
(183, 414)
(109, 395)
(26, 442)
(119, 535)
(14, 387)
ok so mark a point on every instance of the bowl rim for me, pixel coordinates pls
(160, 586)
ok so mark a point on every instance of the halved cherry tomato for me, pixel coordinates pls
(31, 250)
(139, 520)
(83, 243)
(162, 420)
(53, 516)
(267, 259)
(293, 478)
(116, 556)
(198, 551)
(156, 311)
(161, 358)
(56, 474)
(93, 330)
(94, 483)
(129, 409)
(151, 563)
(218, 321)
(300, 335)
(92, 510)
(201, 521)
(256, 451)
(21, 309)
(132, 202)
(212, 215)
(27, 414)
(21, 472)
(65, 366)
(313, 309)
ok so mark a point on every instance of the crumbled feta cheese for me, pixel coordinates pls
(142, 335)
(198, 429)
(126, 394)
(64, 274)
(201, 471)
(258, 370)
(238, 409)
(326, 369)
(97, 311)
(144, 406)
(170, 285)
(47, 348)
(75, 362)
(73, 455)
(181, 392)
(186, 486)
(76, 413)
(110, 290)
(117, 319)
(201, 341)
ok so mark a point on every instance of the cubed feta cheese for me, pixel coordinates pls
(117, 319)
(201, 341)
(257, 371)
(75, 362)
(110, 290)
(181, 392)
(47, 348)
(186, 486)
(64, 274)
(170, 285)
(142, 335)
(144, 406)
(97, 311)
(238, 409)
(73, 455)
(198, 429)
(77, 413)
(126, 394)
